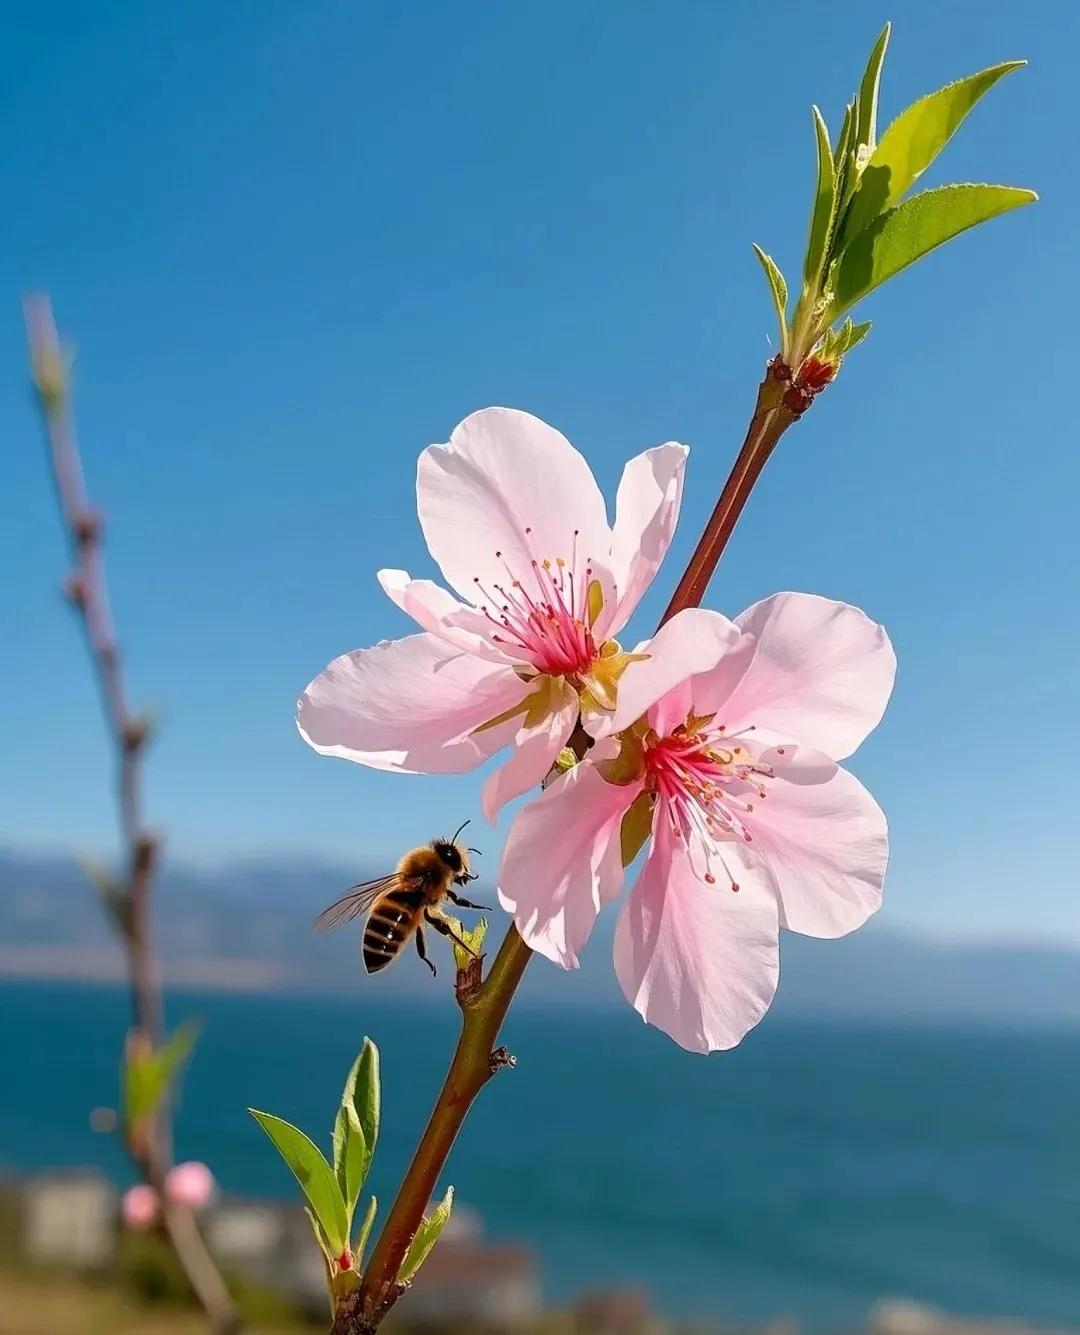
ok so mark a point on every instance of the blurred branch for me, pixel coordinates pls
(150, 1145)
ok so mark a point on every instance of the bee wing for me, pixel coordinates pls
(354, 903)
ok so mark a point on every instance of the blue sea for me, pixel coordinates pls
(817, 1169)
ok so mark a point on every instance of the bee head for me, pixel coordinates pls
(453, 856)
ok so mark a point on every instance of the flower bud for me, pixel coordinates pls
(139, 1208)
(191, 1184)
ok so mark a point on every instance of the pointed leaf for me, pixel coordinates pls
(314, 1174)
(473, 938)
(365, 1231)
(427, 1235)
(778, 288)
(824, 202)
(913, 141)
(857, 334)
(866, 130)
(320, 1236)
(147, 1078)
(363, 1090)
(847, 176)
(843, 144)
(351, 1158)
(911, 230)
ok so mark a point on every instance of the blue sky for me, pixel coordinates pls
(297, 243)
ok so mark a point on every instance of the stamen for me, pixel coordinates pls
(700, 786)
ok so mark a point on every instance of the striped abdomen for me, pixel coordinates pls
(392, 921)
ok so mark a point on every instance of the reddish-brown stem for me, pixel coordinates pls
(769, 422)
(151, 1147)
(474, 1061)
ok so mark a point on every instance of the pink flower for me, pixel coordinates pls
(517, 524)
(721, 753)
(191, 1184)
(139, 1208)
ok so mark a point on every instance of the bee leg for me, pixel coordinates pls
(421, 950)
(467, 903)
(444, 929)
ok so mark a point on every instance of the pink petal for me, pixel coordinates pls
(824, 843)
(821, 674)
(698, 961)
(502, 473)
(410, 704)
(563, 861)
(690, 643)
(534, 753)
(646, 512)
(440, 612)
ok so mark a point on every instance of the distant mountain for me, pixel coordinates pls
(246, 926)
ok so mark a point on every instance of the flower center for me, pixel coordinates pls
(544, 615)
(706, 783)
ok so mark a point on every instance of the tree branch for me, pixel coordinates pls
(88, 594)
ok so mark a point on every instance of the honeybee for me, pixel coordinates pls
(397, 903)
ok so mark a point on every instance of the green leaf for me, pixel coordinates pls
(778, 288)
(473, 938)
(835, 343)
(844, 166)
(320, 1236)
(824, 202)
(351, 1157)
(913, 141)
(363, 1089)
(866, 130)
(427, 1235)
(365, 1231)
(147, 1078)
(843, 144)
(316, 1177)
(636, 827)
(911, 230)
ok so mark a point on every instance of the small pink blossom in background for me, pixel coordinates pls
(191, 1184)
(727, 737)
(513, 517)
(139, 1208)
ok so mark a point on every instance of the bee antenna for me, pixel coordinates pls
(475, 850)
(458, 831)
